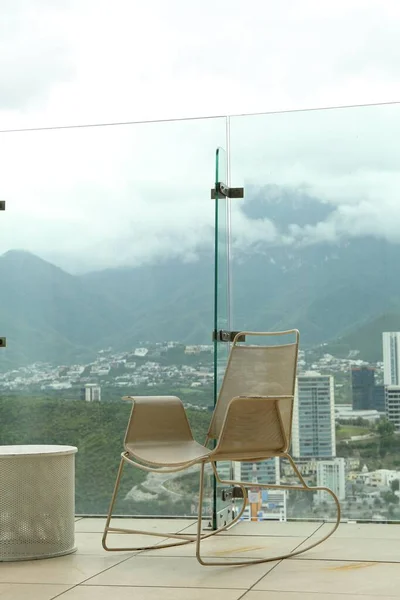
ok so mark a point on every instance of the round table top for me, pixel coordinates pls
(36, 450)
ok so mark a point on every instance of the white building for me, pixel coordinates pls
(379, 478)
(141, 352)
(92, 392)
(391, 357)
(331, 474)
(344, 412)
(392, 404)
(313, 431)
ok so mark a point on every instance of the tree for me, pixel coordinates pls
(390, 498)
(395, 485)
(385, 428)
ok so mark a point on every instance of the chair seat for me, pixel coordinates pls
(168, 454)
(247, 457)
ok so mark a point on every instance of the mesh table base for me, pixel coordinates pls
(37, 502)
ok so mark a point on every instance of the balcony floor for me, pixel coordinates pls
(358, 562)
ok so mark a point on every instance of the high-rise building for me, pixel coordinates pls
(91, 392)
(331, 474)
(366, 394)
(391, 357)
(313, 432)
(379, 398)
(362, 386)
(392, 400)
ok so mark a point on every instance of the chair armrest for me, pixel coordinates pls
(254, 428)
(285, 406)
(157, 419)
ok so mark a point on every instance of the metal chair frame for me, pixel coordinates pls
(211, 457)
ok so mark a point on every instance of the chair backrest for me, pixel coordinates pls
(253, 429)
(268, 370)
(156, 420)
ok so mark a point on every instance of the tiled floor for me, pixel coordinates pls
(359, 562)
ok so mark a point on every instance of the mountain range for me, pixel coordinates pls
(341, 293)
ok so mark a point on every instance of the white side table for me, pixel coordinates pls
(37, 501)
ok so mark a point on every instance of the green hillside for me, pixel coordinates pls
(366, 338)
(97, 429)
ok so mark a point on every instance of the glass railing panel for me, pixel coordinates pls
(316, 247)
(106, 269)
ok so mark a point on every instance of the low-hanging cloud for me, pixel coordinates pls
(97, 198)
(104, 197)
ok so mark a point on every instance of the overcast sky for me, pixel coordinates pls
(89, 198)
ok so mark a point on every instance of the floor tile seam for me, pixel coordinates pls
(211, 556)
(30, 583)
(85, 583)
(103, 555)
(365, 539)
(318, 594)
(188, 526)
(89, 578)
(65, 591)
(66, 583)
(348, 560)
(224, 534)
(178, 587)
(169, 557)
(243, 595)
(258, 535)
(119, 585)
